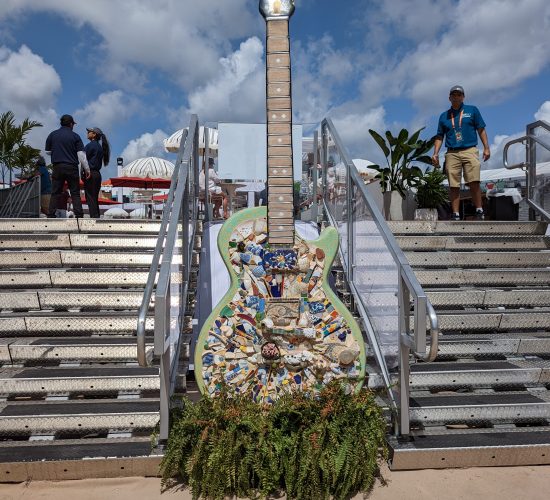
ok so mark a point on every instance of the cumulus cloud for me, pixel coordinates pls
(148, 144)
(28, 87)
(543, 112)
(107, 110)
(237, 92)
(184, 38)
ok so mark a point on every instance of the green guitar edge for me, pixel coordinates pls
(328, 241)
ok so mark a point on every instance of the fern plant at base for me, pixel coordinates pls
(308, 448)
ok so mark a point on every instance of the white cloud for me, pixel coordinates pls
(543, 112)
(107, 110)
(183, 38)
(148, 144)
(28, 87)
(237, 92)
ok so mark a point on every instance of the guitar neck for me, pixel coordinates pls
(280, 206)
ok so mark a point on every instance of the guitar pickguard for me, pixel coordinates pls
(281, 328)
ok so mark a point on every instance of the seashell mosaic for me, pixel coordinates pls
(280, 332)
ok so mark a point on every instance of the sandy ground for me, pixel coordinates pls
(502, 483)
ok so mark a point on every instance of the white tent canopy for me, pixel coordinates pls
(498, 174)
(158, 168)
(172, 144)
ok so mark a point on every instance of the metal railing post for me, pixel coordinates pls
(404, 355)
(206, 166)
(315, 175)
(350, 206)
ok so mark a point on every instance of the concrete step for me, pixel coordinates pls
(70, 258)
(489, 298)
(439, 243)
(492, 320)
(483, 259)
(77, 380)
(505, 447)
(476, 409)
(481, 228)
(71, 324)
(480, 374)
(78, 459)
(115, 241)
(75, 349)
(480, 345)
(53, 417)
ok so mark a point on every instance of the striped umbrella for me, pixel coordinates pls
(151, 166)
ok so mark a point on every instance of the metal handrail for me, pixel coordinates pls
(529, 140)
(152, 277)
(408, 285)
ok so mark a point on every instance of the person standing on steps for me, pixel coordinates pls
(67, 151)
(460, 126)
(98, 153)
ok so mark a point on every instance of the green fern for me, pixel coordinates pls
(324, 447)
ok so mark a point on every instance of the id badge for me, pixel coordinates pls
(458, 136)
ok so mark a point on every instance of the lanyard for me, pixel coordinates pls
(459, 119)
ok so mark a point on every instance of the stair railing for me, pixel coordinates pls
(530, 141)
(170, 270)
(380, 278)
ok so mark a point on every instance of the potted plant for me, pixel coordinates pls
(430, 193)
(399, 175)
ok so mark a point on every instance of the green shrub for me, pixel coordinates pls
(310, 448)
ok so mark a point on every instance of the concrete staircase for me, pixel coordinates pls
(70, 386)
(485, 400)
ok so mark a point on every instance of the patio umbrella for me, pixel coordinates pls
(151, 167)
(172, 144)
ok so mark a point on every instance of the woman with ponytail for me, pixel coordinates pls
(98, 153)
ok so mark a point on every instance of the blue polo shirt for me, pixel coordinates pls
(471, 123)
(94, 155)
(64, 145)
(45, 180)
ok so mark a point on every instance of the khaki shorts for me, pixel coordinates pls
(457, 162)
(45, 203)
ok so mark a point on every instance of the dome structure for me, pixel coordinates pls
(154, 167)
(172, 143)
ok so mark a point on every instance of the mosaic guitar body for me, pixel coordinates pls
(279, 328)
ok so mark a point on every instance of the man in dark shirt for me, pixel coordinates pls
(67, 151)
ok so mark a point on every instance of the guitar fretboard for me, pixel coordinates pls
(280, 207)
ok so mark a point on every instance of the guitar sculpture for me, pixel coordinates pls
(279, 328)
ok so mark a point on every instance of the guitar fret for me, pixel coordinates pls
(275, 27)
(278, 89)
(281, 199)
(280, 181)
(276, 150)
(278, 103)
(277, 44)
(278, 60)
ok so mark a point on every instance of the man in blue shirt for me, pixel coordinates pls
(460, 126)
(67, 152)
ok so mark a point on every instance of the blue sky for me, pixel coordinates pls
(138, 68)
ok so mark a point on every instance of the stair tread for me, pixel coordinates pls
(74, 449)
(508, 437)
(77, 341)
(468, 366)
(96, 407)
(77, 372)
(476, 399)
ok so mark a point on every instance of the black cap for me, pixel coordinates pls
(67, 120)
(457, 88)
(210, 161)
(96, 130)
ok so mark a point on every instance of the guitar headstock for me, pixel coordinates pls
(276, 9)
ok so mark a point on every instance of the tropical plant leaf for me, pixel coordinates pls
(380, 141)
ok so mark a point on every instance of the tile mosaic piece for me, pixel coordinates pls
(279, 332)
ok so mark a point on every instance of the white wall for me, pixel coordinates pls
(242, 151)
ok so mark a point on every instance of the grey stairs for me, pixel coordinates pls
(485, 400)
(70, 386)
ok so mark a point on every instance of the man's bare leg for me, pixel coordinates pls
(475, 190)
(454, 195)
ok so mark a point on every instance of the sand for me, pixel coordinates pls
(502, 483)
